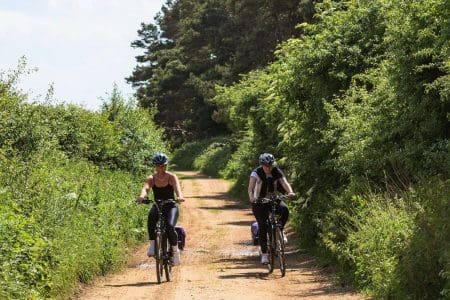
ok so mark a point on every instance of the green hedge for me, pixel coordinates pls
(68, 182)
(359, 103)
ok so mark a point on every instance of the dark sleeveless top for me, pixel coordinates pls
(270, 183)
(165, 192)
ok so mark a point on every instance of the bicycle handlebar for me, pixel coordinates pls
(274, 198)
(145, 201)
(163, 202)
(159, 202)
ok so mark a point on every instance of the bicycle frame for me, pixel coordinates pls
(275, 241)
(163, 251)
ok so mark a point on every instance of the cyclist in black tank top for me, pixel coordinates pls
(164, 186)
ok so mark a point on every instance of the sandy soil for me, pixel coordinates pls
(219, 261)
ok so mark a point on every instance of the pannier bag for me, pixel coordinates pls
(254, 231)
(181, 236)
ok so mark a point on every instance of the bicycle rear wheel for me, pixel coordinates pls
(167, 262)
(280, 250)
(159, 257)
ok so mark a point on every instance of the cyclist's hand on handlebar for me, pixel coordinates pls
(181, 199)
(142, 200)
(291, 195)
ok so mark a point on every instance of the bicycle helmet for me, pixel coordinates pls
(160, 159)
(266, 159)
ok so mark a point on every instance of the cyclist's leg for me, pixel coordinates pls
(171, 220)
(172, 217)
(151, 227)
(261, 213)
(283, 210)
(151, 222)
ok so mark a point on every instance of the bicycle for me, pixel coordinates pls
(163, 250)
(275, 241)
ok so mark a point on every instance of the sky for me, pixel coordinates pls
(80, 47)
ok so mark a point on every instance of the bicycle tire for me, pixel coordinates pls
(280, 251)
(271, 251)
(167, 263)
(158, 257)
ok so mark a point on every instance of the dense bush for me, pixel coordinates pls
(208, 156)
(184, 157)
(68, 180)
(213, 159)
(360, 102)
(381, 231)
(423, 269)
(139, 137)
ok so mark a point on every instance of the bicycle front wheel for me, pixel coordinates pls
(159, 256)
(167, 262)
(271, 250)
(280, 250)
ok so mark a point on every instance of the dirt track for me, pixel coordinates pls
(219, 261)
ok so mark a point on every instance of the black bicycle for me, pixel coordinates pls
(275, 240)
(163, 250)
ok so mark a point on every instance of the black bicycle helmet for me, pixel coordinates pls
(160, 159)
(266, 159)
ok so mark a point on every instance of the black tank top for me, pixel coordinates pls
(165, 192)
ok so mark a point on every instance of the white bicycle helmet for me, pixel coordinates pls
(266, 159)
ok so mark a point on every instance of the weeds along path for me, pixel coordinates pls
(219, 261)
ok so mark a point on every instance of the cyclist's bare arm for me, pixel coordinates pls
(287, 187)
(147, 185)
(251, 188)
(173, 180)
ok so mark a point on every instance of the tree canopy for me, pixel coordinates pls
(195, 45)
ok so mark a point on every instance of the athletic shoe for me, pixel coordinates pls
(264, 258)
(176, 259)
(151, 248)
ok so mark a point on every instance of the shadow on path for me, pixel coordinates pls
(137, 284)
(316, 281)
(225, 207)
(239, 223)
(215, 196)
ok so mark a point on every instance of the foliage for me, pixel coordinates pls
(382, 229)
(68, 179)
(24, 253)
(423, 269)
(392, 109)
(195, 45)
(209, 155)
(240, 165)
(214, 158)
(360, 101)
(139, 136)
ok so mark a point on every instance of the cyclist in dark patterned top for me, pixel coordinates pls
(164, 184)
(265, 180)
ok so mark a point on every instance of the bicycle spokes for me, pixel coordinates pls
(158, 256)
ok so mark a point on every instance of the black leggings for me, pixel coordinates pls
(171, 213)
(261, 212)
